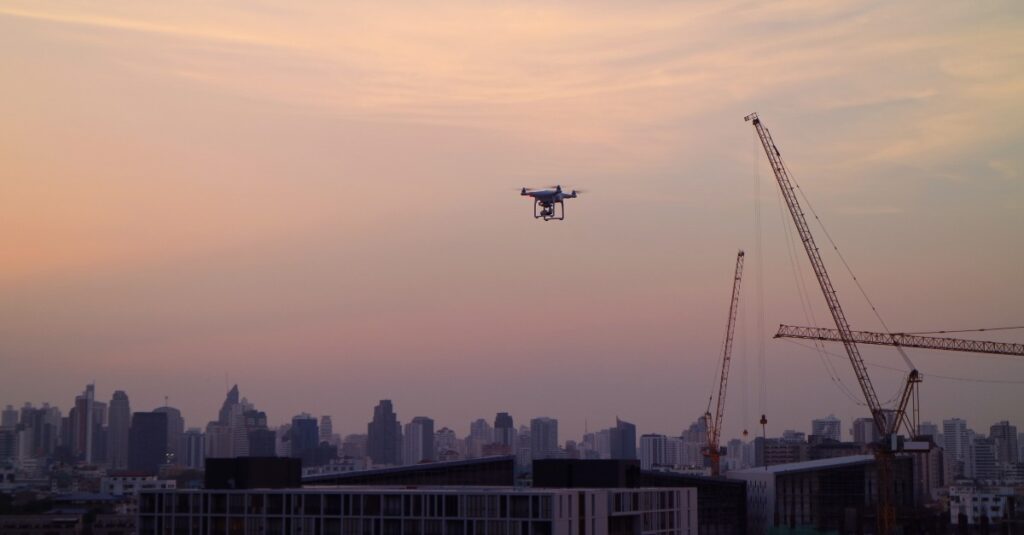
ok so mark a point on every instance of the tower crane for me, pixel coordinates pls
(885, 426)
(714, 433)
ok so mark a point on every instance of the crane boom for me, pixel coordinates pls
(904, 340)
(715, 426)
(842, 325)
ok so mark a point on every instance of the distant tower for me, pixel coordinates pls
(1005, 437)
(147, 442)
(384, 435)
(175, 428)
(10, 417)
(119, 416)
(326, 429)
(305, 436)
(193, 450)
(830, 428)
(623, 440)
(418, 441)
(505, 430)
(543, 438)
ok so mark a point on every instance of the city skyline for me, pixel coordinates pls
(831, 426)
(322, 204)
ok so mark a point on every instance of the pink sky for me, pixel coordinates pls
(320, 201)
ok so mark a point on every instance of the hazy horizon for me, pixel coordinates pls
(321, 202)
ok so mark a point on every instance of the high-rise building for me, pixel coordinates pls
(83, 424)
(652, 451)
(147, 442)
(224, 416)
(480, 433)
(175, 428)
(829, 427)
(444, 442)
(956, 445)
(418, 441)
(10, 418)
(623, 440)
(928, 429)
(354, 446)
(504, 430)
(864, 431)
(384, 435)
(119, 416)
(326, 429)
(1005, 437)
(193, 449)
(543, 438)
(983, 459)
(304, 436)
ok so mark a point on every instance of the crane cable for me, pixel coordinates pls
(808, 310)
(849, 270)
(951, 331)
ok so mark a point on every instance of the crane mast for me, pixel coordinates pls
(886, 429)
(814, 255)
(713, 451)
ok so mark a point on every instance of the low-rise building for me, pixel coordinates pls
(429, 510)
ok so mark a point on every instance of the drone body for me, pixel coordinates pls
(548, 203)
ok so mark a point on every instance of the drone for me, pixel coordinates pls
(548, 203)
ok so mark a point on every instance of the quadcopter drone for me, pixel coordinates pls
(548, 203)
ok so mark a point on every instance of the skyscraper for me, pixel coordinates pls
(864, 431)
(175, 428)
(983, 459)
(10, 418)
(193, 449)
(652, 451)
(384, 435)
(326, 429)
(543, 438)
(504, 430)
(147, 442)
(418, 441)
(304, 436)
(1005, 437)
(119, 416)
(623, 440)
(82, 424)
(829, 427)
(480, 433)
(956, 443)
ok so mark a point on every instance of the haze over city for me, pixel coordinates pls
(321, 204)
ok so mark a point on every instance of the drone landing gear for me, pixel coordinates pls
(555, 210)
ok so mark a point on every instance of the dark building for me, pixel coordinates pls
(837, 495)
(721, 503)
(262, 443)
(304, 436)
(119, 416)
(224, 416)
(384, 435)
(623, 440)
(253, 472)
(147, 442)
(504, 430)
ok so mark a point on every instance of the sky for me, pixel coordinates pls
(319, 201)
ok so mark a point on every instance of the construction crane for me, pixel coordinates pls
(714, 432)
(903, 340)
(885, 425)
